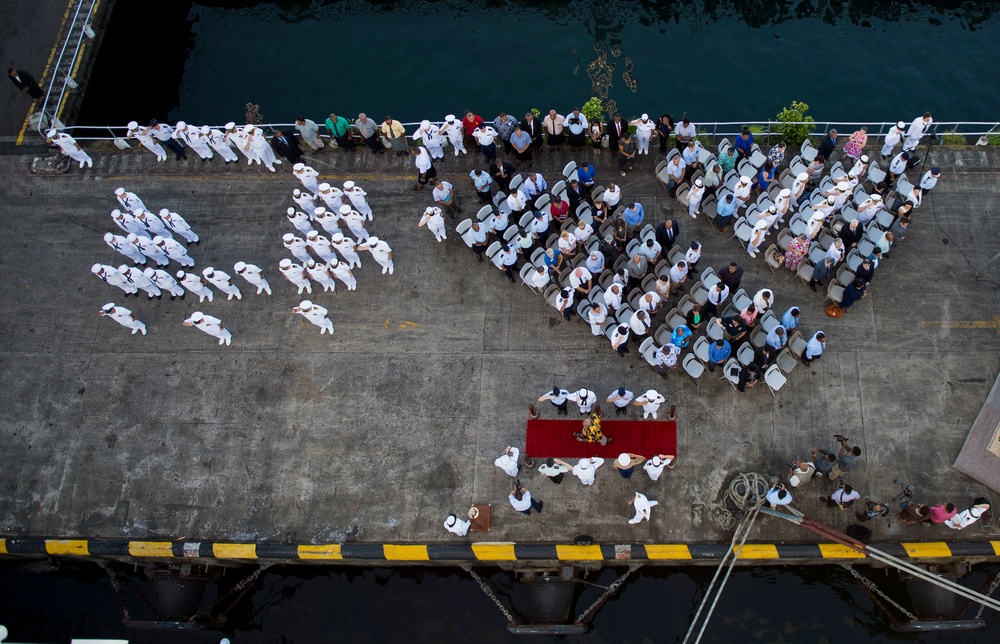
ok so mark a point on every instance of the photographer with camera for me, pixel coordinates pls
(845, 459)
(843, 497)
(520, 499)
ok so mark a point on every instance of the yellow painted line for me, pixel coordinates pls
(494, 551)
(395, 552)
(667, 551)
(927, 549)
(965, 324)
(3, 546)
(66, 547)
(150, 549)
(48, 67)
(996, 547)
(572, 552)
(837, 551)
(325, 551)
(234, 550)
(758, 551)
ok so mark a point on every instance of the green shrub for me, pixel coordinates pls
(593, 110)
(759, 136)
(791, 133)
(993, 139)
(953, 138)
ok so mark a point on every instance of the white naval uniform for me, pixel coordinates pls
(319, 273)
(342, 271)
(120, 244)
(297, 247)
(165, 281)
(317, 315)
(255, 276)
(114, 277)
(176, 252)
(149, 142)
(190, 136)
(153, 225)
(643, 132)
(597, 321)
(301, 222)
(642, 507)
(430, 135)
(913, 135)
(586, 470)
(308, 177)
(261, 147)
(741, 193)
(655, 471)
(347, 249)
(309, 132)
(508, 462)
(584, 402)
(460, 527)
(694, 200)
(213, 326)
(891, 139)
(356, 224)
(240, 141)
(435, 223)
(224, 283)
(131, 202)
(381, 252)
(329, 221)
(151, 250)
(72, 149)
(307, 202)
(322, 247)
(297, 276)
(651, 401)
(358, 197)
(139, 280)
(127, 222)
(179, 226)
(333, 198)
(124, 317)
(454, 132)
(193, 283)
(220, 144)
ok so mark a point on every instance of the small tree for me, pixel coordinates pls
(253, 114)
(593, 109)
(789, 120)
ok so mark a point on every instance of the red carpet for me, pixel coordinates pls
(644, 437)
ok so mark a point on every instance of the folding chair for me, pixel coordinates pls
(648, 284)
(772, 257)
(757, 158)
(569, 171)
(709, 278)
(542, 201)
(876, 174)
(713, 331)
(648, 351)
(825, 240)
(807, 151)
(786, 361)
(516, 182)
(674, 319)
(741, 300)
(731, 372)
(745, 353)
(805, 271)
(742, 230)
(845, 275)
(526, 272)
(675, 255)
(484, 212)
(700, 348)
(559, 188)
(865, 248)
(797, 344)
(774, 378)
(834, 292)
(758, 337)
(768, 321)
(699, 292)
(662, 334)
(816, 254)
(692, 367)
(853, 260)
(785, 238)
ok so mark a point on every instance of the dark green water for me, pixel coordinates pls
(714, 61)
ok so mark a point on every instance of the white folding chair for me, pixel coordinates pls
(692, 366)
(807, 151)
(648, 351)
(835, 292)
(731, 372)
(797, 344)
(774, 378)
(741, 300)
(700, 348)
(786, 361)
(745, 353)
(768, 321)
(569, 171)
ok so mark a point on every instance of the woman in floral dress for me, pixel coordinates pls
(856, 144)
(796, 252)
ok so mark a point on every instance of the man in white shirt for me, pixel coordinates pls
(554, 124)
(613, 297)
(486, 136)
(193, 283)
(425, 167)
(254, 275)
(741, 192)
(295, 274)
(676, 170)
(778, 495)
(621, 398)
(559, 398)
(619, 339)
(315, 314)
(650, 402)
(586, 469)
(309, 132)
(597, 317)
(917, 130)
(898, 166)
(650, 302)
(508, 461)
(430, 137)
(453, 130)
(930, 179)
(716, 297)
(68, 145)
(584, 399)
(456, 526)
(581, 280)
(642, 506)
(654, 466)
(520, 499)
(643, 131)
(540, 277)
(210, 325)
(381, 251)
(555, 469)
(122, 316)
(894, 136)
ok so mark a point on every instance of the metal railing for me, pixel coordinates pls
(77, 27)
(715, 130)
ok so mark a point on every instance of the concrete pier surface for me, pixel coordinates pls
(377, 433)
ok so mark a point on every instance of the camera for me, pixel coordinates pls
(840, 438)
(517, 484)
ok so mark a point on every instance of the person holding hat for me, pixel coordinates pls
(930, 179)
(892, 138)
(288, 146)
(626, 462)
(147, 140)
(220, 143)
(307, 176)
(650, 402)
(347, 249)
(355, 223)
(508, 461)
(190, 135)
(381, 251)
(621, 398)
(129, 201)
(165, 135)
(694, 196)
(318, 272)
(240, 140)
(254, 275)
(559, 399)
(173, 249)
(643, 507)
(113, 276)
(315, 314)
(210, 325)
(122, 245)
(520, 499)
(193, 283)
(430, 138)
(340, 130)
(309, 132)
(149, 249)
(643, 132)
(261, 148)
(435, 223)
(456, 526)
(395, 134)
(139, 280)
(369, 130)
(164, 281)
(586, 469)
(295, 274)
(122, 316)
(654, 466)
(223, 282)
(555, 469)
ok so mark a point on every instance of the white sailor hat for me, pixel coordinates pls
(131, 238)
(181, 125)
(117, 213)
(864, 158)
(305, 304)
(205, 129)
(296, 193)
(311, 263)
(119, 191)
(843, 185)
(180, 275)
(323, 187)
(312, 234)
(831, 199)
(298, 167)
(656, 461)
(745, 180)
(624, 459)
(320, 210)
(248, 129)
(230, 125)
(51, 132)
(337, 237)
(208, 271)
(430, 210)
(802, 176)
(96, 268)
(785, 192)
(371, 241)
(133, 125)
(345, 209)
(149, 272)
(772, 209)
(450, 521)
(334, 261)
(159, 241)
(239, 267)
(164, 212)
(123, 268)
(584, 464)
(425, 123)
(108, 237)
(287, 237)
(645, 117)
(697, 182)
(197, 316)
(107, 307)
(290, 212)
(901, 125)
(876, 197)
(348, 185)
(450, 118)
(285, 263)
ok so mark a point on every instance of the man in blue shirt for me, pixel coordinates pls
(586, 175)
(744, 144)
(482, 181)
(725, 211)
(633, 217)
(790, 319)
(718, 353)
(553, 258)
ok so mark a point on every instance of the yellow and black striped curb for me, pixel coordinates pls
(481, 551)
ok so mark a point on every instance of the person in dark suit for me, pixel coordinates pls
(615, 128)
(533, 127)
(827, 145)
(25, 82)
(575, 195)
(287, 146)
(666, 234)
(851, 234)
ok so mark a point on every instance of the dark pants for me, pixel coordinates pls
(557, 479)
(479, 249)
(535, 505)
(346, 142)
(485, 196)
(627, 474)
(622, 350)
(621, 411)
(625, 163)
(490, 151)
(175, 147)
(561, 408)
(503, 184)
(556, 139)
(452, 207)
(522, 156)
(424, 177)
(509, 272)
(374, 144)
(507, 147)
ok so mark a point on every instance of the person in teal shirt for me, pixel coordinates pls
(681, 336)
(340, 129)
(727, 160)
